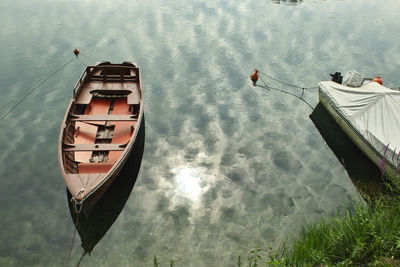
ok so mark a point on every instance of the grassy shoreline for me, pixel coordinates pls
(369, 235)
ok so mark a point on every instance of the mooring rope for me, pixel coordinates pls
(3, 108)
(286, 92)
(86, 55)
(81, 61)
(34, 88)
(76, 223)
(265, 86)
(264, 82)
(285, 83)
(80, 260)
(71, 247)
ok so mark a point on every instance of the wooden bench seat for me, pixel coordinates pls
(84, 134)
(94, 147)
(112, 78)
(104, 117)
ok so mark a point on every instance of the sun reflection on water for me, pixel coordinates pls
(188, 183)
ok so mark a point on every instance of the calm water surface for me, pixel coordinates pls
(226, 166)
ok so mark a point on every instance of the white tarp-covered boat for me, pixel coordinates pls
(370, 116)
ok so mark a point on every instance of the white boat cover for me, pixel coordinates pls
(373, 110)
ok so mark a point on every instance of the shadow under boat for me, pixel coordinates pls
(94, 225)
(365, 175)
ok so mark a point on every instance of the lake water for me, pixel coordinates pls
(226, 166)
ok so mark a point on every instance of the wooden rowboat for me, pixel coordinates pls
(99, 129)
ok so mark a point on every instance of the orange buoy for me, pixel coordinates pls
(378, 79)
(76, 51)
(254, 77)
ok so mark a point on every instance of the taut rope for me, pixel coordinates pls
(34, 88)
(265, 86)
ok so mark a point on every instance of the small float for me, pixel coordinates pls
(369, 114)
(99, 129)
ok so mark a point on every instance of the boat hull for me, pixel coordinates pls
(355, 137)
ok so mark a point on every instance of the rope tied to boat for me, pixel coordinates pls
(266, 86)
(285, 83)
(80, 260)
(76, 203)
(39, 83)
(33, 89)
(77, 208)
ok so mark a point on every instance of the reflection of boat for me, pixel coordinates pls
(99, 129)
(93, 226)
(369, 116)
(359, 167)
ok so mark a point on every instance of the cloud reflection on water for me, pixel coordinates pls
(292, 2)
(226, 166)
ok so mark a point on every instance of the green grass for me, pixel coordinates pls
(368, 235)
(156, 262)
(364, 236)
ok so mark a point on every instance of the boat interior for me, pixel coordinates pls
(102, 118)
